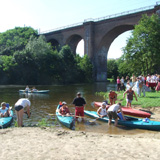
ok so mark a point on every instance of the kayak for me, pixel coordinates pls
(67, 121)
(39, 91)
(6, 121)
(130, 122)
(129, 111)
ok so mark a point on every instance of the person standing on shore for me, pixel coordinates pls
(112, 113)
(129, 98)
(133, 78)
(19, 108)
(79, 103)
(112, 97)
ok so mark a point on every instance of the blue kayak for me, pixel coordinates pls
(6, 121)
(67, 121)
(130, 121)
(37, 92)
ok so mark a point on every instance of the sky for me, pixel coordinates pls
(45, 15)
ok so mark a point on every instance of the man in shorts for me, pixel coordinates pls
(79, 103)
(112, 113)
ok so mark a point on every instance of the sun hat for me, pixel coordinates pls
(104, 104)
(64, 102)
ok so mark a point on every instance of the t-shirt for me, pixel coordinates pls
(23, 102)
(79, 101)
(3, 111)
(113, 108)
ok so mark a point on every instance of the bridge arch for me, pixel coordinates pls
(55, 44)
(73, 41)
(103, 48)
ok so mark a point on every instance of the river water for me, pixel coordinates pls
(44, 104)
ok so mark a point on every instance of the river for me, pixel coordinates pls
(44, 104)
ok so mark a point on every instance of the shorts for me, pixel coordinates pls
(129, 101)
(112, 115)
(79, 111)
(18, 108)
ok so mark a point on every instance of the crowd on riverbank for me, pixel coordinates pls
(139, 82)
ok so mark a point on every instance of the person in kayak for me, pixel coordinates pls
(129, 98)
(64, 110)
(112, 97)
(79, 103)
(102, 111)
(19, 108)
(34, 89)
(27, 89)
(4, 111)
(112, 113)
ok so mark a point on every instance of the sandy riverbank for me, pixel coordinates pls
(34, 143)
(52, 144)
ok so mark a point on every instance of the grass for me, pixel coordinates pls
(152, 99)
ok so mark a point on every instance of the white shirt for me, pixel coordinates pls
(3, 111)
(148, 79)
(103, 111)
(23, 102)
(113, 108)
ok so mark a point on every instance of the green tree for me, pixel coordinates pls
(85, 68)
(15, 39)
(112, 68)
(141, 53)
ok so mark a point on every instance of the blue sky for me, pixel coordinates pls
(46, 15)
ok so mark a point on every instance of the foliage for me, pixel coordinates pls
(15, 39)
(141, 54)
(43, 123)
(26, 58)
(85, 67)
(112, 68)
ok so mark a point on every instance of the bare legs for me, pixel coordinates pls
(20, 117)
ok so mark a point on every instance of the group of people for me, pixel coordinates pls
(79, 103)
(111, 112)
(32, 90)
(19, 108)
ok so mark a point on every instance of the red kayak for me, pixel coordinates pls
(129, 111)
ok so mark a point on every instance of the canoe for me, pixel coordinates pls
(67, 121)
(130, 122)
(129, 111)
(36, 92)
(6, 121)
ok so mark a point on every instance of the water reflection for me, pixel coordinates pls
(44, 104)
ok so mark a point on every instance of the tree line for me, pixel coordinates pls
(26, 58)
(141, 55)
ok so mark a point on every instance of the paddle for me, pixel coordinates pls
(92, 121)
(67, 116)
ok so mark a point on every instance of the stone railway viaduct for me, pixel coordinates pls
(98, 36)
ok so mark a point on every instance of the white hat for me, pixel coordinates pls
(104, 104)
(64, 102)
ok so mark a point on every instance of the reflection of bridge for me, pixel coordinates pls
(98, 34)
